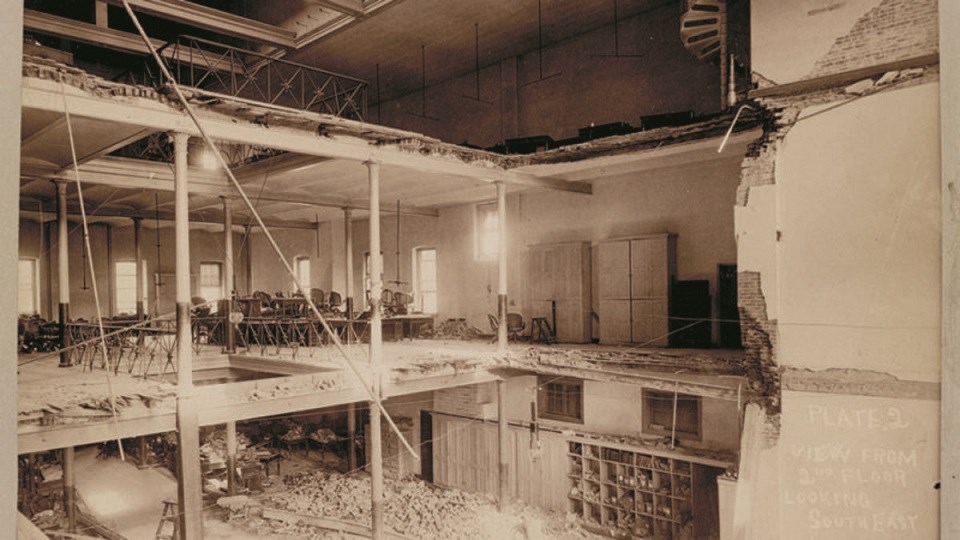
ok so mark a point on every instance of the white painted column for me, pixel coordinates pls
(376, 353)
(503, 449)
(348, 260)
(63, 271)
(228, 272)
(189, 500)
(502, 261)
(138, 262)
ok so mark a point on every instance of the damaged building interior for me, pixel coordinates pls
(506, 269)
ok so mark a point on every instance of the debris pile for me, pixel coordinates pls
(413, 509)
(453, 329)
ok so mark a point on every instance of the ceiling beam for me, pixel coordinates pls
(339, 23)
(347, 7)
(448, 160)
(200, 16)
(116, 40)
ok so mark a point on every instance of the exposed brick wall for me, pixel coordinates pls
(759, 336)
(758, 168)
(893, 30)
(461, 400)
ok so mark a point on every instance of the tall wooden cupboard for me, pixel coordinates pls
(634, 288)
(558, 282)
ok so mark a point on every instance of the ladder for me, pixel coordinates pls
(169, 516)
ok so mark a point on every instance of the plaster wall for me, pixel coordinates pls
(692, 200)
(269, 274)
(858, 206)
(205, 246)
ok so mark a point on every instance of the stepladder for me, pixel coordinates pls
(168, 528)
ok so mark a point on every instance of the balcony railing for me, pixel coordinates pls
(219, 70)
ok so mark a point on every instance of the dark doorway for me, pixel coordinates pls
(426, 446)
(727, 306)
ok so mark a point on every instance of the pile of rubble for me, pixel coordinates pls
(456, 329)
(412, 509)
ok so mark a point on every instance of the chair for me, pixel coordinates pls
(266, 302)
(401, 302)
(334, 300)
(515, 325)
(318, 297)
(199, 307)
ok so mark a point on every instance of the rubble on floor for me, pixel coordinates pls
(412, 509)
(454, 329)
(711, 362)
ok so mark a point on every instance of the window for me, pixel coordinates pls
(301, 267)
(560, 398)
(426, 280)
(658, 414)
(28, 295)
(211, 282)
(126, 287)
(487, 232)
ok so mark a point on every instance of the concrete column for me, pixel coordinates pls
(63, 271)
(70, 488)
(138, 257)
(230, 345)
(231, 458)
(348, 260)
(189, 501)
(503, 478)
(352, 435)
(502, 261)
(376, 353)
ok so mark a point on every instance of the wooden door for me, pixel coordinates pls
(614, 279)
(649, 268)
(614, 321)
(426, 446)
(650, 324)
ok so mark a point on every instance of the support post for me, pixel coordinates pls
(502, 262)
(70, 488)
(63, 272)
(138, 258)
(229, 336)
(189, 502)
(503, 479)
(231, 458)
(352, 435)
(348, 259)
(376, 354)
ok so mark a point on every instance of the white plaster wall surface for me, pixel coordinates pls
(693, 201)
(788, 37)
(857, 467)
(859, 210)
(756, 226)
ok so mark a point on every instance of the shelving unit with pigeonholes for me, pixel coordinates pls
(634, 492)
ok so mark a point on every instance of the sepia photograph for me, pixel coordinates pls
(502, 269)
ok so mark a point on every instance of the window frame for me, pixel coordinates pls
(116, 287)
(543, 399)
(297, 261)
(479, 231)
(683, 400)
(201, 286)
(418, 280)
(34, 285)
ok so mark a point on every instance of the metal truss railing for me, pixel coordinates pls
(285, 336)
(219, 70)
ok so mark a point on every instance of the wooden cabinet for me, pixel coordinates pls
(634, 288)
(631, 492)
(558, 281)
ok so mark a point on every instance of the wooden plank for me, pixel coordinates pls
(342, 526)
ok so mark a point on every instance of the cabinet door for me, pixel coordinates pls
(571, 322)
(650, 323)
(614, 321)
(614, 261)
(649, 268)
